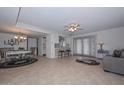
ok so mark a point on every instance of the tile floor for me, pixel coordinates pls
(59, 72)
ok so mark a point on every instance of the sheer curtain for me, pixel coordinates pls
(79, 46)
(85, 46)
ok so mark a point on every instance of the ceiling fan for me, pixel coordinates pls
(73, 27)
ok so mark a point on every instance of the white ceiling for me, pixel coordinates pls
(8, 15)
(53, 19)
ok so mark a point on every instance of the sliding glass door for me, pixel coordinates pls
(85, 46)
(79, 46)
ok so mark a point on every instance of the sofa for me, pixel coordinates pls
(113, 64)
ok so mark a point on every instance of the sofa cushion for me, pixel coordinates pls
(122, 53)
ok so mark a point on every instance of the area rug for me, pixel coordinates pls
(88, 60)
(13, 64)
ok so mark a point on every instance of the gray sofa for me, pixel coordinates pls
(113, 64)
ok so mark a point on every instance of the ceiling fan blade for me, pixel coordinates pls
(81, 29)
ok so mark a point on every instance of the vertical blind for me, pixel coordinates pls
(85, 45)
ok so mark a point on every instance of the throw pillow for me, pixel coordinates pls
(117, 53)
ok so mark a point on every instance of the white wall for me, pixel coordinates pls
(40, 46)
(50, 44)
(112, 38)
(6, 37)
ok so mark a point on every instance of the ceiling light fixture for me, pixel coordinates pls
(20, 37)
(72, 27)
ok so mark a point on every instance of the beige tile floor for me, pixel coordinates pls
(59, 71)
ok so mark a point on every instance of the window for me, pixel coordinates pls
(79, 46)
(85, 45)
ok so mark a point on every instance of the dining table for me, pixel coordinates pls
(17, 52)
